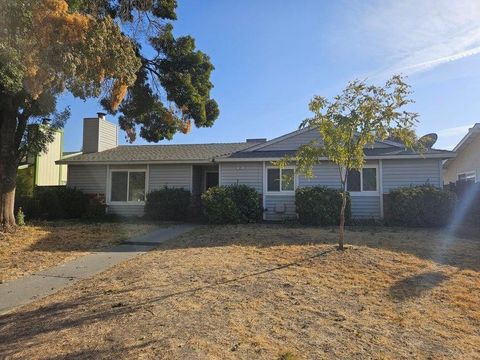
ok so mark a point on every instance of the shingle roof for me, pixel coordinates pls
(189, 152)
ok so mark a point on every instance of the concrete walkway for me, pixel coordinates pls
(21, 291)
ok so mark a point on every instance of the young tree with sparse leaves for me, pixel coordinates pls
(122, 51)
(351, 122)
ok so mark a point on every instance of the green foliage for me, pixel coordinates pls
(25, 182)
(48, 47)
(232, 204)
(168, 204)
(320, 205)
(61, 202)
(96, 208)
(354, 120)
(424, 206)
(20, 218)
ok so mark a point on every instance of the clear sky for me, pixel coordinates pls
(272, 56)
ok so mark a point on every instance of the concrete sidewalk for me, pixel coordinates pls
(21, 291)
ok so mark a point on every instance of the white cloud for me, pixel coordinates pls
(410, 36)
(454, 131)
(449, 136)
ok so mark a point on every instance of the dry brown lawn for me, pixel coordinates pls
(45, 244)
(267, 292)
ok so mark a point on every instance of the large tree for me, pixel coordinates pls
(351, 122)
(120, 51)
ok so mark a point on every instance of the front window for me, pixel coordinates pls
(361, 181)
(467, 177)
(128, 186)
(280, 180)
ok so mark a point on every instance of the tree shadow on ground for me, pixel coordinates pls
(439, 245)
(417, 285)
(435, 245)
(23, 330)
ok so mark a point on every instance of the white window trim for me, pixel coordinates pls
(281, 192)
(367, 193)
(109, 186)
(466, 173)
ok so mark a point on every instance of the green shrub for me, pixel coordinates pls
(319, 205)
(61, 202)
(96, 208)
(232, 204)
(168, 204)
(424, 206)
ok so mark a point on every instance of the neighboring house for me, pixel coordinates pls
(466, 165)
(41, 170)
(124, 174)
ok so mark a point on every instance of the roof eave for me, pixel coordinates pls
(377, 157)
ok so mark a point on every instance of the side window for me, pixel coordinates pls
(280, 180)
(127, 186)
(353, 180)
(273, 179)
(369, 179)
(119, 186)
(365, 180)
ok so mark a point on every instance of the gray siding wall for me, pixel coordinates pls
(365, 207)
(107, 135)
(91, 179)
(400, 173)
(126, 210)
(325, 174)
(175, 175)
(249, 173)
(279, 207)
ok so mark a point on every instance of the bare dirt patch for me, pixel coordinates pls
(45, 244)
(267, 292)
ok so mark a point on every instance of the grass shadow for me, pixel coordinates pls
(417, 285)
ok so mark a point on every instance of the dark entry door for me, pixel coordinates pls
(211, 179)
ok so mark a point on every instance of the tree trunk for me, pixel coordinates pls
(341, 234)
(8, 167)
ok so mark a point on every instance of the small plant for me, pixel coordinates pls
(287, 356)
(20, 217)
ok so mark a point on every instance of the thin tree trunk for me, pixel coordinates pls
(341, 235)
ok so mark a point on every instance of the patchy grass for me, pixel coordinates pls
(45, 244)
(267, 292)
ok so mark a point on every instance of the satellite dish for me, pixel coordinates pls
(428, 140)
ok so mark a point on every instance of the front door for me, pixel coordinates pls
(211, 179)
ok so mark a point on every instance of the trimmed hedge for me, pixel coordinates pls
(319, 205)
(168, 204)
(421, 206)
(233, 204)
(61, 202)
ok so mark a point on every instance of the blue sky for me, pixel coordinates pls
(272, 56)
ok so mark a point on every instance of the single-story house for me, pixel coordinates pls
(125, 174)
(466, 165)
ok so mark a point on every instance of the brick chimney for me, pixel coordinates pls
(99, 134)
